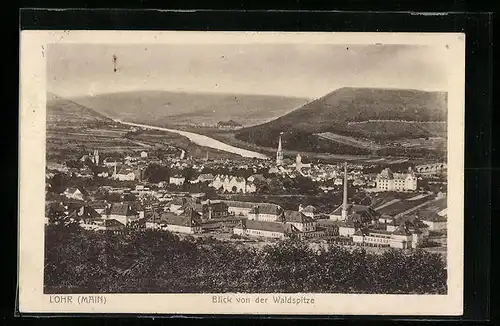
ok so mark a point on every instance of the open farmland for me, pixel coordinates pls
(405, 206)
(351, 141)
(382, 199)
(433, 208)
(397, 129)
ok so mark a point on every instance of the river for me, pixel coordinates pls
(202, 140)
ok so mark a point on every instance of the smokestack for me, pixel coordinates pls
(344, 202)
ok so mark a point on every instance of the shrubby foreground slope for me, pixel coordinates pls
(78, 261)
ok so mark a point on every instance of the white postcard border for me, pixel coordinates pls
(32, 186)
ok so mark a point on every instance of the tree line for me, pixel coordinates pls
(147, 261)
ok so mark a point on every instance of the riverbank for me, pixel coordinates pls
(202, 140)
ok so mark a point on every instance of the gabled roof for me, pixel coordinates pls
(240, 204)
(72, 190)
(125, 170)
(98, 204)
(170, 218)
(123, 209)
(152, 217)
(309, 209)
(84, 212)
(358, 232)
(191, 213)
(216, 207)
(297, 217)
(266, 208)
(112, 223)
(192, 206)
(401, 231)
(352, 209)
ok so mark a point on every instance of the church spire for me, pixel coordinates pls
(344, 202)
(279, 152)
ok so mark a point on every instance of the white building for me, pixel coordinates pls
(435, 222)
(73, 193)
(231, 184)
(308, 210)
(124, 174)
(274, 230)
(122, 212)
(240, 208)
(180, 224)
(177, 180)
(400, 237)
(144, 154)
(300, 221)
(265, 212)
(389, 181)
(110, 162)
(346, 229)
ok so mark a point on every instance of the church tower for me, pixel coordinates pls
(96, 157)
(344, 202)
(298, 162)
(279, 152)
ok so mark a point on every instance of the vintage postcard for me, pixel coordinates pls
(241, 173)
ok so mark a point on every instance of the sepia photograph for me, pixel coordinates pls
(247, 163)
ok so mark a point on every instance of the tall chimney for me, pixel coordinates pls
(344, 202)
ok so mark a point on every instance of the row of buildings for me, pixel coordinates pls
(359, 223)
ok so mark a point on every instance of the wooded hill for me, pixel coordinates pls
(355, 112)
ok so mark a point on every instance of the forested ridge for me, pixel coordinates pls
(146, 261)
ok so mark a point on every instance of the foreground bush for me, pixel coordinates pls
(77, 261)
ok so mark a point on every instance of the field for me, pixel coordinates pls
(404, 205)
(351, 141)
(397, 129)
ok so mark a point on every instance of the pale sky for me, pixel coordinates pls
(309, 70)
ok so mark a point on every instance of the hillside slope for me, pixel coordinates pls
(164, 108)
(61, 112)
(344, 112)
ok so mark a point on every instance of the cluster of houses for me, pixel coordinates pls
(189, 214)
(360, 224)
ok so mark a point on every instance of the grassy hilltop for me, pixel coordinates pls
(377, 115)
